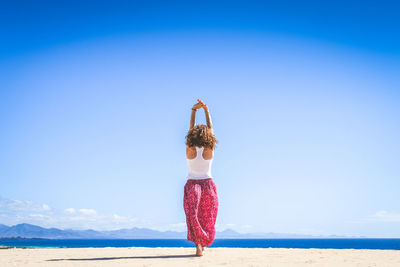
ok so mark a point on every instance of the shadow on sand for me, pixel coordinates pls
(121, 258)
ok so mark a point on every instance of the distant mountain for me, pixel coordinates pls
(3, 227)
(31, 231)
(25, 230)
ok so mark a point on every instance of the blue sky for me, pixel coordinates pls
(95, 105)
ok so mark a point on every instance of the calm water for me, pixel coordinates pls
(362, 243)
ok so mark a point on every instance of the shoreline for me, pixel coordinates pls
(54, 247)
(349, 243)
(143, 256)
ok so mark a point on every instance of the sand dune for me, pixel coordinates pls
(184, 257)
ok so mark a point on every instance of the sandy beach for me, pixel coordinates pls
(184, 257)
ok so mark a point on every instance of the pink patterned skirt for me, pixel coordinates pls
(200, 202)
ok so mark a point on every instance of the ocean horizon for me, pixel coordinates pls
(302, 243)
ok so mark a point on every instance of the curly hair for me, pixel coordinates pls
(201, 136)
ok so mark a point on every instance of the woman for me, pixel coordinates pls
(200, 197)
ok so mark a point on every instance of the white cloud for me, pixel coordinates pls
(70, 211)
(46, 207)
(17, 211)
(381, 216)
(89, 212)
(37, 215)
(22, 206)
(386, 216)
(117, 217)
(179, 227)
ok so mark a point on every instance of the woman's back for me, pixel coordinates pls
(199, 167)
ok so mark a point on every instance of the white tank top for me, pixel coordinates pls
(199, 168)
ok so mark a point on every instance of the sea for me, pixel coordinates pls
(332, 243)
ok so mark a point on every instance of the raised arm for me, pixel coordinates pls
(200, 104)
(207, 113)
(208, 117)
(192, 118)
(193, 114)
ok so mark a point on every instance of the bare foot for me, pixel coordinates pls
(199, 250)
